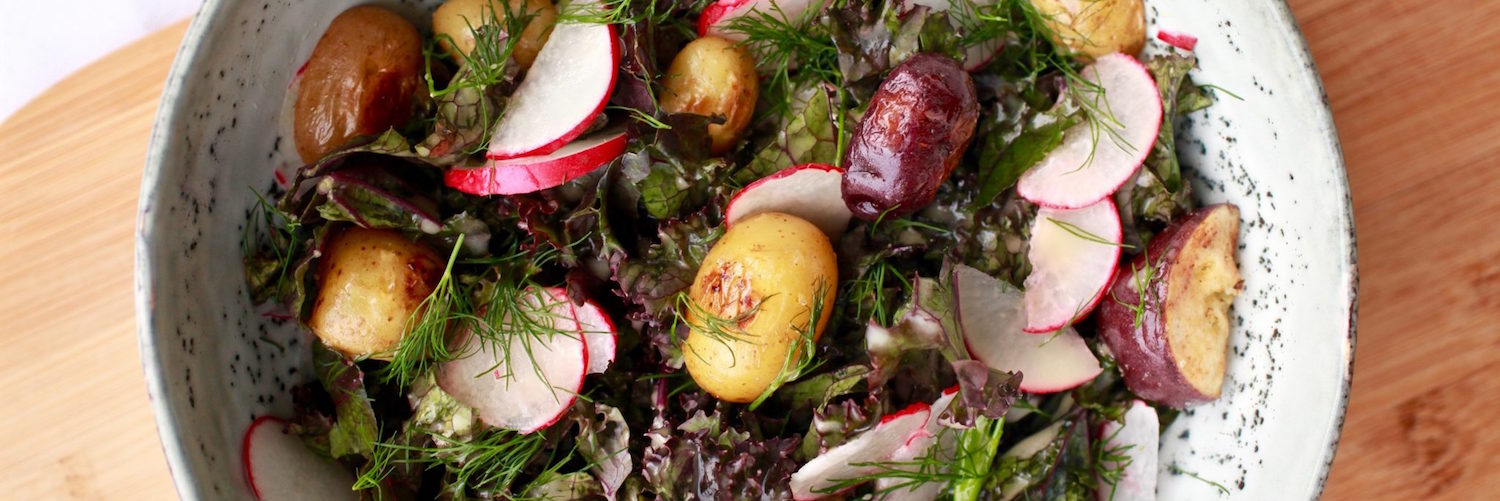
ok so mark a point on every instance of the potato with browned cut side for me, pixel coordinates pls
(1167, 321)
(370, 282)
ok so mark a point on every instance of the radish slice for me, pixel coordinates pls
(861, 456)
(717, 16)
(1092, 162)
(918, 447)
(566, 87)
(1182, 41)
(599, 333)
(530, 385)
(280, 467)
(813, 192)
(991, 318)
(535, 173)
(1074, 255)
(1138, 439)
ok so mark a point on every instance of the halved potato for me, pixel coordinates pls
(1167, 320)
(1093, 28)
(369, 283)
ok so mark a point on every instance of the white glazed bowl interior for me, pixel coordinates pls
(213, 363)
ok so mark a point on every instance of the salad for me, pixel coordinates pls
(740, 249)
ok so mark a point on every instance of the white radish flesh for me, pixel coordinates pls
(894, 488)
(1138, 439)
(599, 332)
(566, 87)
(279, 467)
(716, 17)
(535, 173)
(530, 383)
(991, 317)
(1074, 254)
(1101, 153)
(813, 192)
(860, 457)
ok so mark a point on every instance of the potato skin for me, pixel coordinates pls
(1093, 28)
(915, 131)
(361, 79)
(1150, 362)
(773, 260)
(713, 76)
(369, 283)
(454, 18)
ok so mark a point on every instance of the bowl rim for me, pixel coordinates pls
(210, 17)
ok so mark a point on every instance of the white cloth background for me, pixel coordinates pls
(42, 42)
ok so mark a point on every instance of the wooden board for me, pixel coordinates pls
(1412, 84)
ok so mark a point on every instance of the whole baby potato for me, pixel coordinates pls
(1092, 28)
(456, 20)
(370, 282)
(756, 290)
(362, 79)
(918, 125)
(712, 76)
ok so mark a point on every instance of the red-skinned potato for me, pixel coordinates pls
(369, 283)
(361, 79)
(1167, 320)
(918, 125)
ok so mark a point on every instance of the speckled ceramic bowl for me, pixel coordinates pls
(212, 363)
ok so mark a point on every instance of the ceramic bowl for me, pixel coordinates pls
(213, 363)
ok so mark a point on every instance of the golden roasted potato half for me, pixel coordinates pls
(370, 282)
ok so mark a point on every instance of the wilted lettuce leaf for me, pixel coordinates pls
(1030, 116)
(807, 134)
(1179, 95)
(564, 487)
(603, 441)
(462, 118)
(371, 197)
(704, 458)
(354, 430)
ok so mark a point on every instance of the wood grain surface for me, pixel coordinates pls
(1413, 85)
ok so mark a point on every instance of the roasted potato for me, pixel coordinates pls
(456, 20)
(362, 79)
(918, 125)
(712, 76)
(1092, 28)
(1167, 318)
(753, 295)
(370, 282)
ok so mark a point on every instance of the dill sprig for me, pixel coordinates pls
(1086, 235)
(617, 12)
(800, 355)
(1141, 279)
(871, 285)
(1179, 471)
(486, 64)
(517, 313)
(493, 460)
(424, 342)
(1110, 462)
(283, 237)
(791, 51)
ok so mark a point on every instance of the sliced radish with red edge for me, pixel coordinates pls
(566, 87)
(1074, 254)
(717, 16)
(535, 173)
(991, 316)
(861, 456)
(599, 333)
(1182, 41)
(1101, 153)
(813, 192)
(894, 488)
(530, 385)
(1138, 439)
(280, 467)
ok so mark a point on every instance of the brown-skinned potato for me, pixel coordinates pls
(1167, 317)
(361, 79)
(370, 282)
